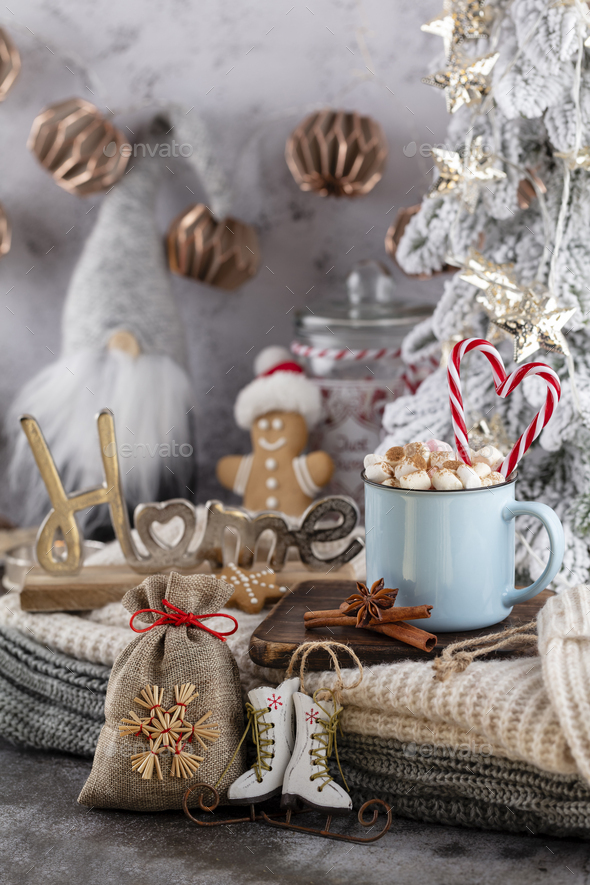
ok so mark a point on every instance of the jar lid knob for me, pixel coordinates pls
(369, 282)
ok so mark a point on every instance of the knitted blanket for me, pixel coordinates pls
(465, 789)
(49, 700)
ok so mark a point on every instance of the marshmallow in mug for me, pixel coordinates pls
(434, 465)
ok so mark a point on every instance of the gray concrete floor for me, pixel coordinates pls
(47, 838)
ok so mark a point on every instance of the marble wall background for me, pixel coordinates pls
(252, 69)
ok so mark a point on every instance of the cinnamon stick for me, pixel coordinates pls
(399, 630)
(407, 633)
(388, 615)
(329, 622)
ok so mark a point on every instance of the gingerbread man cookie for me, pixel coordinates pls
(251, 589)
(278, 408)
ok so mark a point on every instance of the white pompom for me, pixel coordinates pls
(270, 357)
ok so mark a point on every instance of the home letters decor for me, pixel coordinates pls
(162, 557)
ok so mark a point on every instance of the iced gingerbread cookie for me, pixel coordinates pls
(278, 408)
(251, 589)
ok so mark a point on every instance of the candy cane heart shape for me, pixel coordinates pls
(504, 385)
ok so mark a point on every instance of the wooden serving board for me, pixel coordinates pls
(276, 638)
(93, 587)
(97, 585)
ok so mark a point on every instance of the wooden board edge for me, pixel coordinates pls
(277, 659)
(32, 600)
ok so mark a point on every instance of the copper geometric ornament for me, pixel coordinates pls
(9, 63)
(80, 149)
(336, 153)
(221, 253)
(5, 233)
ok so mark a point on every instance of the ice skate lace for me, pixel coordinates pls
(261, 741)
(328, 741)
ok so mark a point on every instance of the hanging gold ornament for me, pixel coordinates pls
(9, 63)
(462, 175)
(529, 314)
(575, 159)
(460, 20)
(5, 233)
(82, 151)
(221, 253)
(464, 80)
(336, 153)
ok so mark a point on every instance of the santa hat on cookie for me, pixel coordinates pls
(280, 385)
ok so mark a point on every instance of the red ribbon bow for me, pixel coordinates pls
(179, 618)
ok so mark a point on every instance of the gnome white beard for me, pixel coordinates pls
(151, 399)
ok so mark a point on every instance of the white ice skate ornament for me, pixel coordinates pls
(307, 778)
(270, 723)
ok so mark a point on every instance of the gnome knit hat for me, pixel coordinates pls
(280, 385)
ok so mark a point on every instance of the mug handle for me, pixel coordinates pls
(554, 528)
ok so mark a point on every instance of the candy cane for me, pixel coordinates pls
(504, 385)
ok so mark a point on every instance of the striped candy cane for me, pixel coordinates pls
(504, 385)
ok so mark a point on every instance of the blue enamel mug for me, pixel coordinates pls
(454, 551)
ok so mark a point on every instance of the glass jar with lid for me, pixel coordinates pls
(352, 349)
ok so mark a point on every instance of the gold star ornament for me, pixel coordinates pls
(460, 20)
(529, 314)
(495, 280)
(536, 323)
(462, 175)
(575, 159)
(465, 80)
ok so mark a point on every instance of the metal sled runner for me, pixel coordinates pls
(282, 820)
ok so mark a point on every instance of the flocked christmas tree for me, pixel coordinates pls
(513, 188)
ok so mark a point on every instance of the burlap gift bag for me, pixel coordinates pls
(148, 762)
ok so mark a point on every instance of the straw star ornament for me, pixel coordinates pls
(168, 730)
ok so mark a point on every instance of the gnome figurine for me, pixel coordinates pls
(278, 408)
(123, 348)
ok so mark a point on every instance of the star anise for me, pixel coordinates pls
(369, 603)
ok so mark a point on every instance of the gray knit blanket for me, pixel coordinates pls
(51, 701)
(457, 787)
